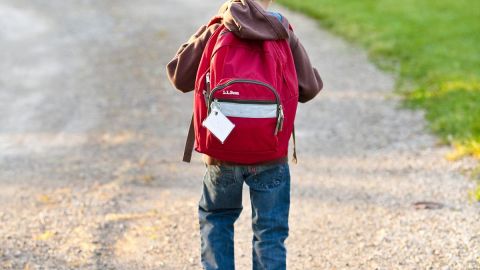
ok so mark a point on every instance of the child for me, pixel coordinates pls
(221, 202)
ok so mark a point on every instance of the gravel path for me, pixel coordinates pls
(91, 135)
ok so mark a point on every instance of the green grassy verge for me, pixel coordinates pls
(432, 45)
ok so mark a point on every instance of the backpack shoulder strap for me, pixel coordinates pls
(214, 20)
(189, 144)
(294, 160)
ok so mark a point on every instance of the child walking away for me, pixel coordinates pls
(248, 71)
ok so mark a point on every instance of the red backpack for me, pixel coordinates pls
(254, 84)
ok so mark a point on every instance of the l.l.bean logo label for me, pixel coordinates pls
(231, 93)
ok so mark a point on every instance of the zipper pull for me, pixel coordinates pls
(206, 92)
(280, 118)
(215, 105)
(205, 97)
(207, 82)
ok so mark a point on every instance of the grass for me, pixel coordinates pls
(475, 194)
(434, 48)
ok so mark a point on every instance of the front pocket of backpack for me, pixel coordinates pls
(254, 131)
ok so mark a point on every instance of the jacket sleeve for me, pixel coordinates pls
(182, 69)
(309, 81)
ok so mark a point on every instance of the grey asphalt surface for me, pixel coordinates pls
(91, 135)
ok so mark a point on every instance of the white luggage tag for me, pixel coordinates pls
(217, 123)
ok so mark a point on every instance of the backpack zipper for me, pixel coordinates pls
(244, 101)
(280, 115)
(222, 86)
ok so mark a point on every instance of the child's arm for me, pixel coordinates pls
(182, 70)
(309, 81)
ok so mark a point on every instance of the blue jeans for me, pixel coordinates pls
(221, 205)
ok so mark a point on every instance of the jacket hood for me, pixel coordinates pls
(248, 20)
